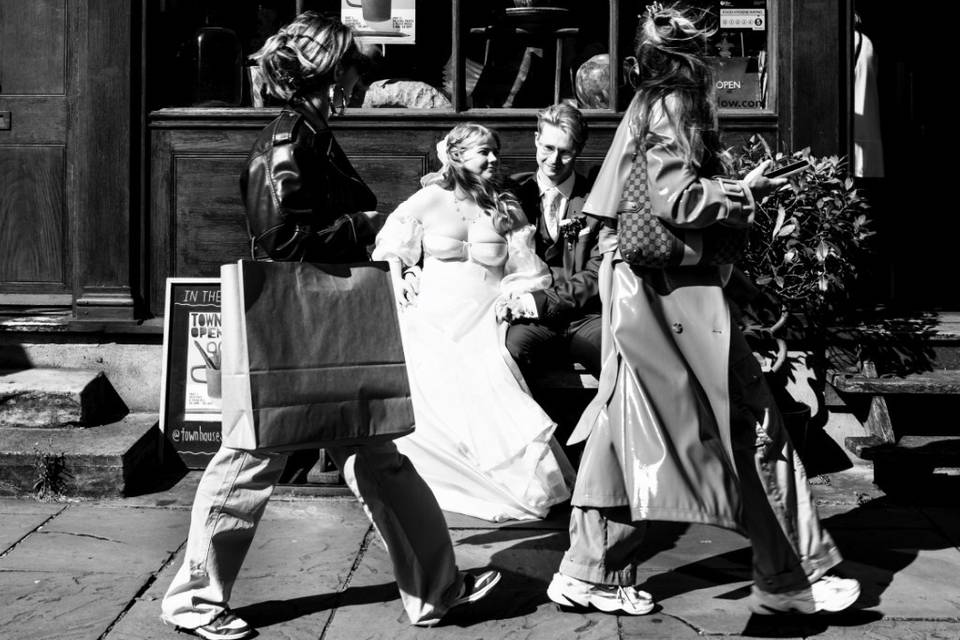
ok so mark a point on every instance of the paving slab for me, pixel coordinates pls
(947, 521)
(300, 558)
(90, 538)
(658, 624)
(518, 608)
(58, 606)
(895, 630)
(879, 514)
(18, 518)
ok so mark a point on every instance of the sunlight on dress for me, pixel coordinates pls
(481, 443)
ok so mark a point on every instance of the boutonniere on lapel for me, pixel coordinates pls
(571, 226)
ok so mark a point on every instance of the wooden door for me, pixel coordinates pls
(34, 77)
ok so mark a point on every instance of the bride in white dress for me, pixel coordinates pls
(482, 444)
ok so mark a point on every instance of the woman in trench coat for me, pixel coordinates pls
(683, 427)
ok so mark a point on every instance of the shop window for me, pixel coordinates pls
(198, 52)
(527, 55)
(448, 55)
(738, 50)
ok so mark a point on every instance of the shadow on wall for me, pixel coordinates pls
(13, 357)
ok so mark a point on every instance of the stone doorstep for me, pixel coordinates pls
(55, 398)
(108, 460)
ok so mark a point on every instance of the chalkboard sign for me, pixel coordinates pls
(190, 409)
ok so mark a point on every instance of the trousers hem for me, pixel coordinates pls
(598, 575)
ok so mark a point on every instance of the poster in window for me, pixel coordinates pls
(190, 402)
(381, 21)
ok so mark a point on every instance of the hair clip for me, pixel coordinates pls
(652, 11)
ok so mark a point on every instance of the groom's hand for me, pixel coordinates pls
(510, 308)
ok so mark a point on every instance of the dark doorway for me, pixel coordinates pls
(915, 205)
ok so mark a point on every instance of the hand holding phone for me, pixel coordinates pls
(787, 170)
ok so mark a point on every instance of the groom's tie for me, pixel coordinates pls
(551, 207)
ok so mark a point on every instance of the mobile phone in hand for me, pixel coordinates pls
(787, 170)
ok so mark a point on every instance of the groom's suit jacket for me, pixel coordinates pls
(574, 262)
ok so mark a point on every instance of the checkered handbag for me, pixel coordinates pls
(646, 241)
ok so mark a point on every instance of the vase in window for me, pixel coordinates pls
(217, 67)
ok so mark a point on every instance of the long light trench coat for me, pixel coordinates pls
(658, 432)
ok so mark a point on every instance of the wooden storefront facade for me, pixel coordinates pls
(105, 190)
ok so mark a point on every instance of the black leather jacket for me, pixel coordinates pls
(304, 200)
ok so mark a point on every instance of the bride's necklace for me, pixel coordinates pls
(471, 213)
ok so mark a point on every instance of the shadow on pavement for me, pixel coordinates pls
(878, 540)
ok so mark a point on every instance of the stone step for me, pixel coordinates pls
(940, 382)
(109, 460)
(919, 469)
(56, 398)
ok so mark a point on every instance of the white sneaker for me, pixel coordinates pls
(476, 586)
(473, 588)
(225, 626)
(829, 593)
(568, 592)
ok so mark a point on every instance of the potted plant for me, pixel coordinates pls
(806, 249)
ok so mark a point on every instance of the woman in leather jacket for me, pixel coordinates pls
(304, 201)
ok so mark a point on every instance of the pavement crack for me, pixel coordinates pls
(142, 590)
(361, 552)
(32, 531)
(685, 622)
(87, 535)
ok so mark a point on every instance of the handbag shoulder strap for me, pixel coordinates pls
(634, 194)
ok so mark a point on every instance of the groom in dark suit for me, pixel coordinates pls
(561, 322)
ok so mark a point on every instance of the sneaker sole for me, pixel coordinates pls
(765, 610)
(249, 633)
(639, 611)
(211, 636)
(480, 593)
(557, 596)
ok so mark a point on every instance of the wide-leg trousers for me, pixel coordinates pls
(790, 548)
(231, 499)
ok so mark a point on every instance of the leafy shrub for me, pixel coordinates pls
(809, 237)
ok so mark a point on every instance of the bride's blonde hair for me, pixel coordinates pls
(488, 193)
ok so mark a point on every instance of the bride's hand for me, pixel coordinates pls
(410, 286)
(401, 288)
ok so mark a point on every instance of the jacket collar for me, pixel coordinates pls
(310, 115)
(565, 188)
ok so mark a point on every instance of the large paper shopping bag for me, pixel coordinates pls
(311, 356)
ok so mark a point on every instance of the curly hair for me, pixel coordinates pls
(302, 57)
(489, 193)
(671, 63)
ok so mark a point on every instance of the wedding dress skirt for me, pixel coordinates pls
(482, 444)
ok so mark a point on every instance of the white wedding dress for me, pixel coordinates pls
(481, 443)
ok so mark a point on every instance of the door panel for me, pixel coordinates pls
(32, 60)
(34, 254)
(34, 120)
(31, 214)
